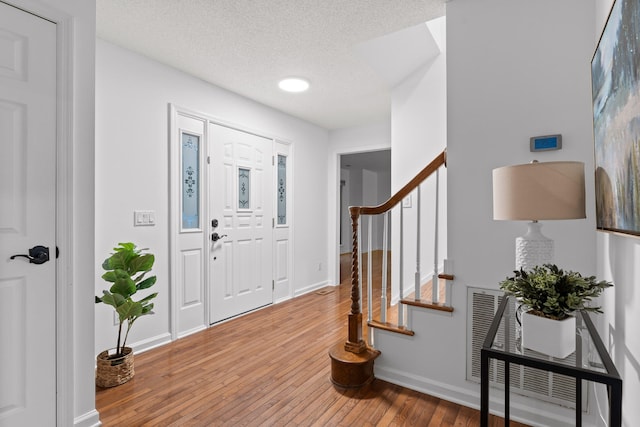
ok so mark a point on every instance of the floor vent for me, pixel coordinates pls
(543, 385)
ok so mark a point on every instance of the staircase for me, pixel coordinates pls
(352, 360)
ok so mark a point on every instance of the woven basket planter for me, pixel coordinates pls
(112, 371)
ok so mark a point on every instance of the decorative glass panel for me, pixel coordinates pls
(244, 188)
(282, 189)
(190, 181)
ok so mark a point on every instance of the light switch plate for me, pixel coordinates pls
(144, 218)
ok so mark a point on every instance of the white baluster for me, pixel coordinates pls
(434, 281)
(385, 248)
(417, 292)
(369, 269)
(401, 284)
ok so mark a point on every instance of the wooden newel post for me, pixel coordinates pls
(352, 361)
(355, 343)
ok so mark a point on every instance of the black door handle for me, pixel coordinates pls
(37, 255)
(215, 237)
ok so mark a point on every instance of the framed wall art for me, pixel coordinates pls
(615, 79)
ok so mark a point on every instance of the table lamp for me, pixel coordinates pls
(538, 191)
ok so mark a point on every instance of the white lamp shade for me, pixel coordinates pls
(539, 191)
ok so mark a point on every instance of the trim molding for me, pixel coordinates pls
(192, 331)
(90, 419)
(540, 414)
(64, 229)
(310, 288)
(151, 343)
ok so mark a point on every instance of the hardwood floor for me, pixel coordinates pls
(267, 368)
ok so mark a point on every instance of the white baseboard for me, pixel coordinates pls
(533, 416)
(283, 299)
(90, 419)
(192, 331)
(310, 288)
(428, 386)
(149, 343)
(153, 342)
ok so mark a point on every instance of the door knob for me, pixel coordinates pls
(215, 236)
(37, 255)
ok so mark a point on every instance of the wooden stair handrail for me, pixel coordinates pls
(355, 343)
(425, 173)
(352, 361)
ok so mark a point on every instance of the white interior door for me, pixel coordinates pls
(240, 200)
(27, 218)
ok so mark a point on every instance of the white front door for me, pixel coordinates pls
(27, 219)
(240, 209)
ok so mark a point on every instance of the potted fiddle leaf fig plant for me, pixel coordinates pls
(126, 270)
(550, 295)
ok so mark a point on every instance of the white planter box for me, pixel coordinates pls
(555, 338)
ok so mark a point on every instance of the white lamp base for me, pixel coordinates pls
(533, 248)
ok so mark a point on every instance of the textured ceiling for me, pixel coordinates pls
(246, 46)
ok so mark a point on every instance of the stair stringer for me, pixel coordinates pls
(433, 361)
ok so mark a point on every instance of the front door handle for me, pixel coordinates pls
(37, 255)
(215, 237)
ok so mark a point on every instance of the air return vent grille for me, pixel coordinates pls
(547, 386)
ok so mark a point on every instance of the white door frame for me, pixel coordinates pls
(64, 203)
(334, 204)
(174, 214)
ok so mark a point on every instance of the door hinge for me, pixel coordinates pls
(273, 223)
(273, 160)
(273, 285)
(208, 160)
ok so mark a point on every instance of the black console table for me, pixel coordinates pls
(607, 374)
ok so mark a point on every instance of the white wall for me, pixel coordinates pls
(373, 194)
(502, 90)
(363, 187)
(514, 70)
(619, 261)
(383, 193)
(345, 218)
(358, 139)
(419, 134)
(132, 98)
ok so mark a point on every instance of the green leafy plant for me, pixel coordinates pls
(126, 269)
(551, 292)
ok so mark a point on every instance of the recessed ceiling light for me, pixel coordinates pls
(294, 84)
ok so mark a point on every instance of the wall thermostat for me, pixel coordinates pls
(545, 143)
